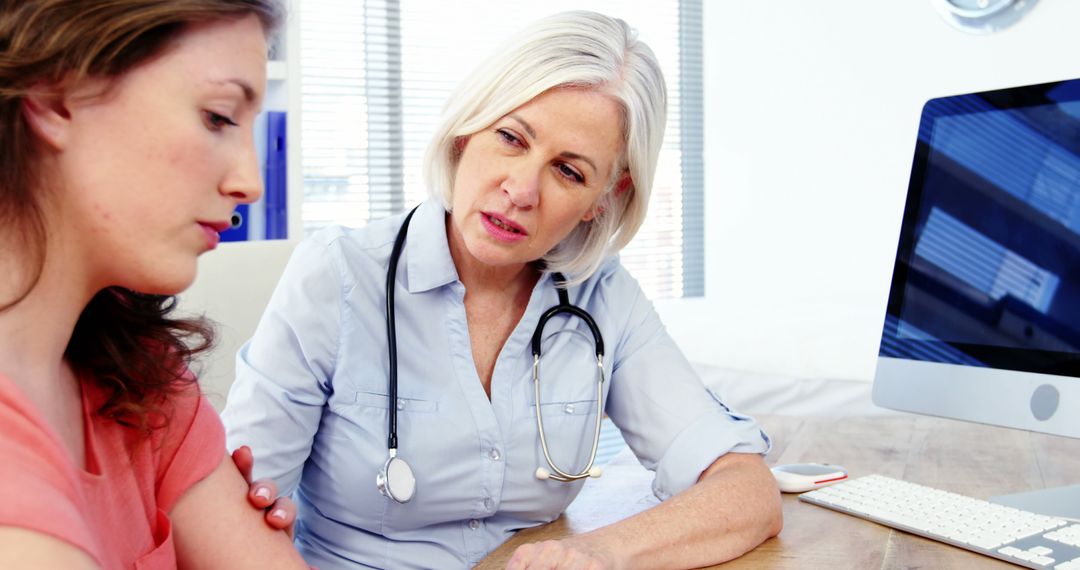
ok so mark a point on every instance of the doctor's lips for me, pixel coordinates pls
(212, 230)
(502, 228)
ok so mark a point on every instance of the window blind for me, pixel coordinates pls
(375, 75)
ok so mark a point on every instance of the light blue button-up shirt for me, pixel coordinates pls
(311, 398)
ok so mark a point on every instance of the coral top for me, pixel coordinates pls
(116, 509)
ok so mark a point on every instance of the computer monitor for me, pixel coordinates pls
(983, 318)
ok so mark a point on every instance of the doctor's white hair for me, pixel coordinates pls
(582, 50)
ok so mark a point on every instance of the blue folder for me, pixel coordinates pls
(276, 198)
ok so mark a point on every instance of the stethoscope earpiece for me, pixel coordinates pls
(544, 474)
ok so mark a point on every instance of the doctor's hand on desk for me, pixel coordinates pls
(732, 508)
(262, 494)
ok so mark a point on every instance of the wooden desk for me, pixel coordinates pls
(975, 460)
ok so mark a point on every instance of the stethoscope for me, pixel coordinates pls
(396, 480)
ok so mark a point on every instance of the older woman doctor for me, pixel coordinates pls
(539, 173)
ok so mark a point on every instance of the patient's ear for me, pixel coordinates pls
(48, 115)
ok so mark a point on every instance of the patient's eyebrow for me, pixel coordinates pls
(249, 91)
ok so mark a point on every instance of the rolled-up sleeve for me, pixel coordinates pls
(671, 421)
(284, 373)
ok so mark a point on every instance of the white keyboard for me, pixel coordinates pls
(1012, 535)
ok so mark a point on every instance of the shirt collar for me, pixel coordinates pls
(426, 252)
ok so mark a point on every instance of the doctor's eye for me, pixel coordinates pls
(217, 122)
(570, 173)
(508, 137)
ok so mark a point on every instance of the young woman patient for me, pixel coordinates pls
(126, 143)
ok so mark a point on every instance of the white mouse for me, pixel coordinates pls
(800, 477)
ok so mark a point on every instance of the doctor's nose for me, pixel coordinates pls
(243, 182)
(522, 186)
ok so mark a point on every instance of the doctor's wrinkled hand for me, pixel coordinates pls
(562, 554)
(262, 494)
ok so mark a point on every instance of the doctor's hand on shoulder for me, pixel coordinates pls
(262, 494)
(576, 553)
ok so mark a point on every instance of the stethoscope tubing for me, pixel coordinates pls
(564, 306)
(587, 471)
(395, 479)
(391, 330)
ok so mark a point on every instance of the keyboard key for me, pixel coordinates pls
(1073, 564)
(986, 543)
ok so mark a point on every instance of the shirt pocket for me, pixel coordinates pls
(569, 427)
(565, 408)
(407, 405)
(163, 556)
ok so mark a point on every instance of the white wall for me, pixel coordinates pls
(232, 288)
(811, 114)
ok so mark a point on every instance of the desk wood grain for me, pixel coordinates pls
(971, 459)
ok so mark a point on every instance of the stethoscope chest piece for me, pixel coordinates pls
(396, 480)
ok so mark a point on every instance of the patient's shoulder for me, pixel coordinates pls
(41, 490)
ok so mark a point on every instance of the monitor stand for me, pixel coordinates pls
(1056, 502)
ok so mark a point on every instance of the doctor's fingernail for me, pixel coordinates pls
(278, 514)
(263, 493)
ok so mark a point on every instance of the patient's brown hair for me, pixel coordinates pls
(124, 340)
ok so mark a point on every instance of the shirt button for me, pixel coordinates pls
(474, 524)
(489, 504)
(400, 405)
(569, 408)
(494, 454)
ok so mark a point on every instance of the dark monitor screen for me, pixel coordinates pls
(988, 267)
